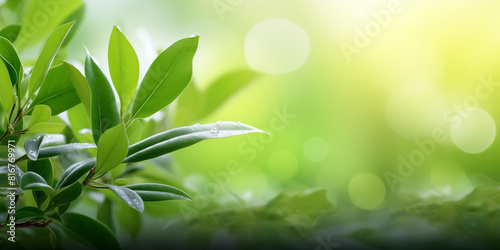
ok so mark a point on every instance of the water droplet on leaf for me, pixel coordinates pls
(214, 131)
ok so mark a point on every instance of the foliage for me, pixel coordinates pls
(58, 161)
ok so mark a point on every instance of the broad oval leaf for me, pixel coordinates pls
(80, 84)
(165, 79)
(123, 67)
(46, 127)
(65, 195)
(40, 114)
(7, 93)
(104, 110)
(28, 212)
(75, 172)
(33, 181)
(158, 192)
(42, 168)
(89, 231)
(11, 59)
(175, 139)
(112, 149)
(42, 147)
(46, 57)
(129, 196)
(10, 32)
(57, 91)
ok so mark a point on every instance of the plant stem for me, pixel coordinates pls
(22, 158)
(29, 223)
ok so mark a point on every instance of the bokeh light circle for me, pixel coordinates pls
(276, 46)
(316, 149)
(367, 191)
(283, 163)
(473, 130)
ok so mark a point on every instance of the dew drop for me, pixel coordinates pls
(32, 152)
(129, 202)
(136, 201)
(196, 124)
(239, 123)
(49, 136)
(214, 131)
(219, 122)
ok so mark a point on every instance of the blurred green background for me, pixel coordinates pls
(378, 102)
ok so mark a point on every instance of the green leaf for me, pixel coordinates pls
(43, 168)
(33, 181)
(26, 213)
(128, 218)
(42, 147)
(10, 32)
(222, 89)
(50, 13)
(57, 91)
(18, 171)
(75, 172)
(46, 127)
(9, 55)
(112, 149)
(175, 139)
(65, 195)
(123, 67)
(7, 93)
(129, 196)
(46, 57)
(105, 214)
(80, 84)
(104, 110)
(90, 231)
(40, 114)
(165, 79)
(158, 192)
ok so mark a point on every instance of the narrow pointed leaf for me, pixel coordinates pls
(112, 149)
(43, 147)
(80, 84)
(75, 172)
(175, 139)
(129, 196)
(48, 54)
(9, 55)
(65, 195)
(57, 91)
(165, 79)
(10, 32)
(33, 181)
(158, 192)
(123, 67)
(104, 110)
(7, 93)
